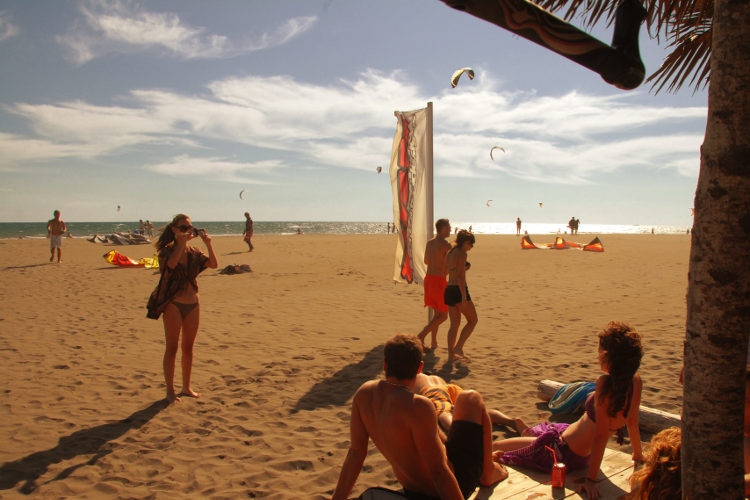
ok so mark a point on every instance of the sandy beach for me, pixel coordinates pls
(281, 351)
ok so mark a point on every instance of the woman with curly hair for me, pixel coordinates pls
(176, 296)
(457, 297)
(660, 476)
(614, 404)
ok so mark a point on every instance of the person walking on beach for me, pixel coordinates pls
(578, 223)
(248, 232)
(518, 226)
(150, 229)
(457, 296)
(176, 296)
(434, 281)
(404, 428)
(55, 229)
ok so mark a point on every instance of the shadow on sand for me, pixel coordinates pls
(339, 387)
(83, 442)
(29, 265)
(447, 370)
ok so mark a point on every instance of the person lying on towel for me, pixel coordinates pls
(404, 427)
(444, 395)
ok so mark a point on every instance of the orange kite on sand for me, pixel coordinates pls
(117, 259)
(561, 244)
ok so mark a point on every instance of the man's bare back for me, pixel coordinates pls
(434, 255)
(403, 426)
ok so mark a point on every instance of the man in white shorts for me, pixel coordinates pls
(55, 230)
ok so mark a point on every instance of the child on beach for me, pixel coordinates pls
(660, 476)
(176, 296)
(615, 403)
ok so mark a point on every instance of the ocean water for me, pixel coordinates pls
(226, 228)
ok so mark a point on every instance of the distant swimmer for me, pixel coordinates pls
(248, 232)
(434, 281)
(518, 225)
(55, 229)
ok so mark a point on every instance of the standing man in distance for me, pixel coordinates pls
(434, 281)
(55, 230)
(518, 226)
(248, 232)
(404, 427)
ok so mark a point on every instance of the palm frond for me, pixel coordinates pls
(685, 25)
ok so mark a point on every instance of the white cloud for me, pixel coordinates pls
(125, 27)
(7, 29)
(214, 168)
(573, 138)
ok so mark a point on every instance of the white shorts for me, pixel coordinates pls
(55, 241)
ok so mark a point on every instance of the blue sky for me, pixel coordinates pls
(175, 106)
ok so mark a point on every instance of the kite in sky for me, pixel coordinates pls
(457, 74)
(494, 148)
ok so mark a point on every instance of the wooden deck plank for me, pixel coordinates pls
(522, 483)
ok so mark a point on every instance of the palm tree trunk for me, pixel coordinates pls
(718, 299)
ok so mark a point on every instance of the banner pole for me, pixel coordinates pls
(429, 183)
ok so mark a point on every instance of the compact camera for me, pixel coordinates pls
(198, 232)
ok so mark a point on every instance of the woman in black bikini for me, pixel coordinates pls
(177, 298)
(457, 296)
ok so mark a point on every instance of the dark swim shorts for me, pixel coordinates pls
(465, 449)
(452, 295)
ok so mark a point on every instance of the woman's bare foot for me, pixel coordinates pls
(520, 425)
(172, 397)
(458, 356)
(190, 393)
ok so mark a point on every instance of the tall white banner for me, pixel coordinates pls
(411, 181)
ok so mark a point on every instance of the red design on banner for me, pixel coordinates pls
(404, 195)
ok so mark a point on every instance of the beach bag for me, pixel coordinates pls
(570, 397)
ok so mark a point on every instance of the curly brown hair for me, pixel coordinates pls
(463, 236)
(660, 475)
(622, 352)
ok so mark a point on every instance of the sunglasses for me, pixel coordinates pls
(184, 228)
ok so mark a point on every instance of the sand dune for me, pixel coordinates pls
(281, 351)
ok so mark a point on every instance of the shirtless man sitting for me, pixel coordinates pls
(404, 427)
(434, 281)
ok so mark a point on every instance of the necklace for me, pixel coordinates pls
(395, 384)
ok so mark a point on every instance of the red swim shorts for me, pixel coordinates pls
(434, 290)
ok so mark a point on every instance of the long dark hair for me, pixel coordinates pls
(622, 352)
(167, 235)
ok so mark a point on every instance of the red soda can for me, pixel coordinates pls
(558, 475)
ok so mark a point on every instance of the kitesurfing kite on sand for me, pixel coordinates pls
(457, 74)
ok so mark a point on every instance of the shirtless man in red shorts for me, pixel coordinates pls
(434, 282)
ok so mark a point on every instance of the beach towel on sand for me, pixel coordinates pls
(570, 397)
(235, 269)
